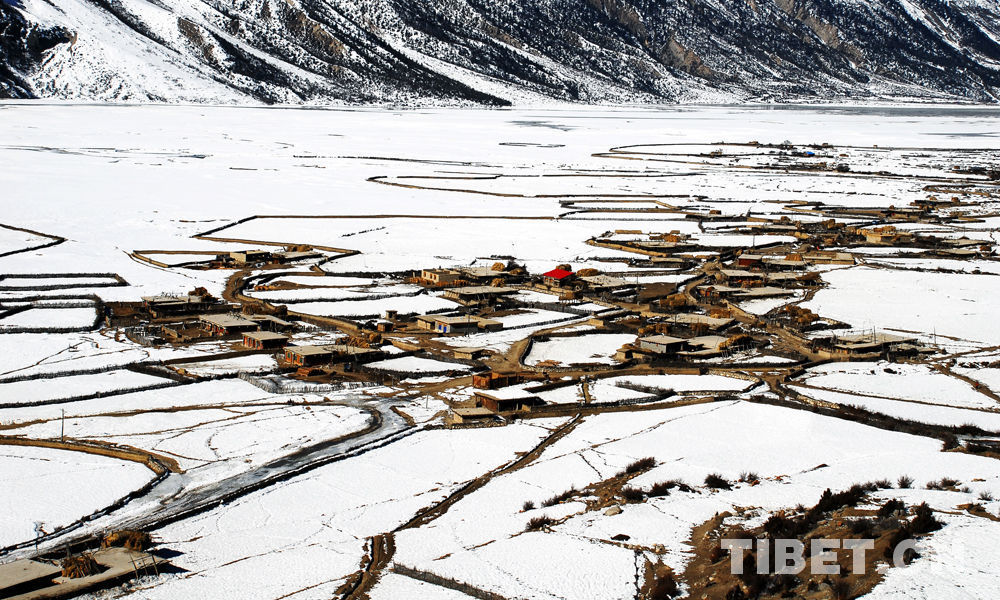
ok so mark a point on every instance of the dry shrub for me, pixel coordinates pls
(890, 508)
(924, 521)
(661, 488)
(638, 466)
(633, 494)
(83, 565)
(536, 523)
(130, 539)
(717, 482)
(560, 497)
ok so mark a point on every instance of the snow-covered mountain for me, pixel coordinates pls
(498, 51)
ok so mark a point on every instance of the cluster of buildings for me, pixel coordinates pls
(249, 258)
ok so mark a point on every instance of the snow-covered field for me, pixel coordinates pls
(372, 308)
(941, 303)
(12, 240)
(899, 381)
(57, 487)
(417, 189)
(41, 390)
(217, 439)
(255, 363)
(590, 348)
(417, 364)
(919, 412)
(688, 443)
(50, 317)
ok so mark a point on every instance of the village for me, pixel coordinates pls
(684, 315)
(356, 337)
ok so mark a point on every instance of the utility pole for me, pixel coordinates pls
(62, 428)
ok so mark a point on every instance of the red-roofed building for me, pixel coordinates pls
(557, 276)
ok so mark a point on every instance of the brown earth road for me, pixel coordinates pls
(157, 463)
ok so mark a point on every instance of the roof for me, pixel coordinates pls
(458, 320)
(227, 321)
(783, 276)
(465, 320)
(478, 411)
(764, 292)
(264, 336)
(691, 319)
(786, 262)
(739, 273)
(662, 339)
(751, 257)
(299, 255)
(345, 349)
(868, 339)
(605, 280)
(557, 274)
(173, 299)
(23, 571)
(708, 343)
(481, 271)
(270, 318)
(481, 290)
(515, 392)
(308, 350)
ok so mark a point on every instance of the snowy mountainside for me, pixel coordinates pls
(498, 51)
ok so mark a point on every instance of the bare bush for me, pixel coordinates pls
(632, 494)
(536, 523)
(717, 482)
(638, 466)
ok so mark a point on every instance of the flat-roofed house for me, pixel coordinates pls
(305, 356)
(704, 345)
(441, 276)
(460, 324)
(662, 344)
(296, 255)
(465, 324)
(249, 257)
(478, 414)
(271, 323)
(508, 399)
(264, 340)
(869, 343)
(690, 320)
(478, 294)
(749, 260)
(165, 306)
(604, 282)
(738, 276)
(469, 353)
(226, 324)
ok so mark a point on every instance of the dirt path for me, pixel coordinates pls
(978, 386)
(157, 463)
